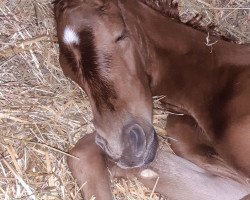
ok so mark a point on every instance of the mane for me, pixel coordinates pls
(165, 7)
(168, 8)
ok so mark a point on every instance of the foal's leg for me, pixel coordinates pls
(190, 143)
(90, 170)
(178, 178)
(187, 140)
(234, 145)
(182, 180)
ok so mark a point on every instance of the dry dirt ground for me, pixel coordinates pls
(43, 114)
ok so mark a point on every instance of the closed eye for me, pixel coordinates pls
(123, 36)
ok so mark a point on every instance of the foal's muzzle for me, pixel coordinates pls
(139, 147)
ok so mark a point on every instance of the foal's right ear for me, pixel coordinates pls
(59, 3)
(59, 7)
(106, 4)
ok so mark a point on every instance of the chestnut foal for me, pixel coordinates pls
(123, 52)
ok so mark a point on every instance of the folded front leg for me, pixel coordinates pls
(90, 170)
(183, 180)
(178, 178)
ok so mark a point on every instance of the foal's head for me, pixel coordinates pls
(98, 52)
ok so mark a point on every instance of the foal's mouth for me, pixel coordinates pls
(103, 144)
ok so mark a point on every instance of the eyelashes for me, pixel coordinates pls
(123, 36)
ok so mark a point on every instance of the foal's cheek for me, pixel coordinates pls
(128, 57)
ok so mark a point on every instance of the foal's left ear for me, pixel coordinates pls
(59, 7)
(101, 2)
(104, 6)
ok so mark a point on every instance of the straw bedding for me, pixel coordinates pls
(43, 114)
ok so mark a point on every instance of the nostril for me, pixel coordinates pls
(137, 137)
(136, 132)
(139, 145)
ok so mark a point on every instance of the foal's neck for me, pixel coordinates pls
(183, 58)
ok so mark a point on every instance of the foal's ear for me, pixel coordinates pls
(59, 4)
(104, 4)
(59, 7)
(100, 2)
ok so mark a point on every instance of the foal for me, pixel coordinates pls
(122, 52)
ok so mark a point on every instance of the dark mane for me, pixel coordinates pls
(165, 7)
(168, 8)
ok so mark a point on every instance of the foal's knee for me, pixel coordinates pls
(89, 169)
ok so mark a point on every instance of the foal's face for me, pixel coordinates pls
(97, 51)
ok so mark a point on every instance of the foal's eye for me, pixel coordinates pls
(123, 36)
